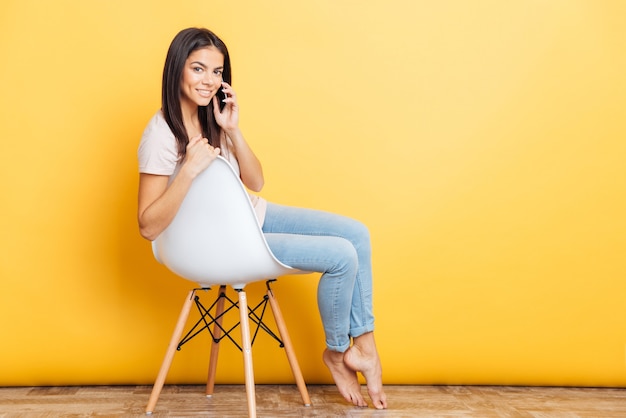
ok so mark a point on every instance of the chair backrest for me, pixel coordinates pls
(215, 238)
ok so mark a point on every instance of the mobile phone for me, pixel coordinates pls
(220, 97)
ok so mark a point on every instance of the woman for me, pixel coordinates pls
(199, 121)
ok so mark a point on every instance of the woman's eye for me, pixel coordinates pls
(217, 72)
(197, 69)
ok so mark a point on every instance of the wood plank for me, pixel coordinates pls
(285, 401)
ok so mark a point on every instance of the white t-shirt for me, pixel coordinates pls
(158, 154)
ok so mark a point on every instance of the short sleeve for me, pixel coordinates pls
(158, 150)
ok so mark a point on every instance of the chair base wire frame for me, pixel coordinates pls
(246, 314)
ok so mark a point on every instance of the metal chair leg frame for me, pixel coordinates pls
(246, 314)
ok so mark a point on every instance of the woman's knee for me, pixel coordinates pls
(362, 231)
(346, 257)
(359, 235)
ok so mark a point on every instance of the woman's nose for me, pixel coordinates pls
(212, 79)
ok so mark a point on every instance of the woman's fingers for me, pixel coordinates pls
(195, 140)
(229, 93)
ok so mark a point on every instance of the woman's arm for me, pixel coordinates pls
(249, 165)
(228, 120)
(158, 203)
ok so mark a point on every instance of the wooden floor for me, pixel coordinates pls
(284, 401)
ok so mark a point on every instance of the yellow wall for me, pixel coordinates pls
(483, 142)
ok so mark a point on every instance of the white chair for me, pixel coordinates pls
(215, 240)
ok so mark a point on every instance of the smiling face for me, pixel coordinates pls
(201, 78)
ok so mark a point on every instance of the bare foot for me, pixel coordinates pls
(346, 380)
(363, 357)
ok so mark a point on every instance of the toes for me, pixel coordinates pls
(378, 397)
(380, 403)
(357, 400)
(354, 399)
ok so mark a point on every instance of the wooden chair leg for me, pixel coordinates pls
(215, 345)
(291, 355)
(247, 352)
(169, 355)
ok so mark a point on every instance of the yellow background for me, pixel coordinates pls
(483, 143)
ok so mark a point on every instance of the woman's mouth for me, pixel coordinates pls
(205, 93)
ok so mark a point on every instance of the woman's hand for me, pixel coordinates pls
(251, 172)
(227, 119)
(199, 155)
(158, 200)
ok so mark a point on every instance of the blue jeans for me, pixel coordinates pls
(339, 248)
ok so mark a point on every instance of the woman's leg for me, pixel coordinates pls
(312, 223)
(318, 241)
(363, 357)
(336, 259)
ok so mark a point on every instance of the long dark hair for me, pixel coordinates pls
(183, 44)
